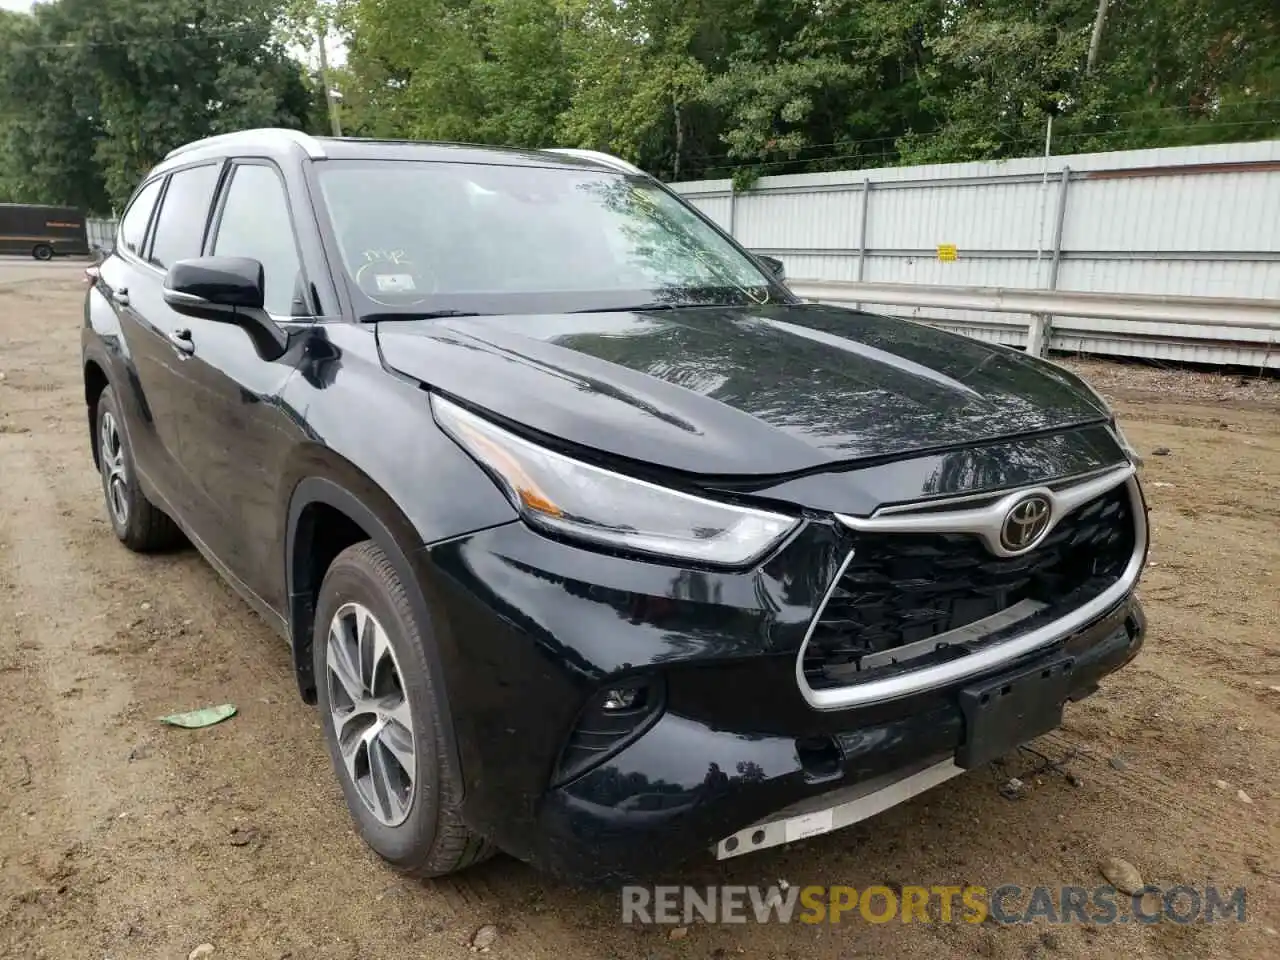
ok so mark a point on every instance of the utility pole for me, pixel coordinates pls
(323, 32)
(1095, 41)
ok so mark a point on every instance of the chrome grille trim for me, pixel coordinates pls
(977, 522)
(985, 522)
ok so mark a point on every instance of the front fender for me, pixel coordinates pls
(371, 450)
(373, 433)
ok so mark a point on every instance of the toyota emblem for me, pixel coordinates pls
(1026, 523)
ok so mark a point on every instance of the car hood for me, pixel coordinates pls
(739, 391)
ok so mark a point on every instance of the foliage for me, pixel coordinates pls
(95, 92)
(748, 87)
(1178, 72)
(91, 93)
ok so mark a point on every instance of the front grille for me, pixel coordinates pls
(903, 588)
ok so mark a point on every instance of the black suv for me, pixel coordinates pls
(592, 542)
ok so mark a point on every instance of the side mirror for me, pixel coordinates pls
(226, 290)
(774, 266)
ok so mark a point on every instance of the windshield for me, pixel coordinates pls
(420, 237)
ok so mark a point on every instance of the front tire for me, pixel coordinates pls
(382, 719)
(42, 251)
(137, 522)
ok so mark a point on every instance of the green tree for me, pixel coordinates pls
(10, 181)
(1169, 73)
(170, 71)
(1187, 71)
(92, 92)
(998, 70)
(50, 118)
(643, 70)
(745, 87)
(829, 84)
(479, 71)
(97, 91)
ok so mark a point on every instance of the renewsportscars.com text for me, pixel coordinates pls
(1007, 904)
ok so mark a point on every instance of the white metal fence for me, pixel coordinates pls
(1176, 222)
(101, 233)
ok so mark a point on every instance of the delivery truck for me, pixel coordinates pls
(42, 232)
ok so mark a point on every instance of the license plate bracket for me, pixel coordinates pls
(1005, 712)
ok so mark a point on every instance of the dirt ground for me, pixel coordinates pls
(121, 838)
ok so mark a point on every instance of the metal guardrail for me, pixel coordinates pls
(1262, 316)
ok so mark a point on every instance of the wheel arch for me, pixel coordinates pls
(95, 382)
(329, 488)
(370, 514)
(350, 494)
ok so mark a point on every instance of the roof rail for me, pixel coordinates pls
(608, 159)
(311, 145)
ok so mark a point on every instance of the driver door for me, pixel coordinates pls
(236, 431)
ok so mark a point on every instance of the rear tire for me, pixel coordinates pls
(138, 523)
(381, 719)
(42, 251)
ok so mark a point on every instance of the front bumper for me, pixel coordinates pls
(531, 629)
(684, 786)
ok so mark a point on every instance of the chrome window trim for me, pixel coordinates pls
(988, 658)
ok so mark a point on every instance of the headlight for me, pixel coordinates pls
(1129, 449)
(575, 499)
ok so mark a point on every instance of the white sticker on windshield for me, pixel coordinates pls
(395, 283)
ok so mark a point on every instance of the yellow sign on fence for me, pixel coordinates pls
(947, 252)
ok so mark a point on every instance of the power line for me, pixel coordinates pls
(1092, 117)
(1008, 141)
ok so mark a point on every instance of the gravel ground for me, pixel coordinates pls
(122, 838)
(1138, 382)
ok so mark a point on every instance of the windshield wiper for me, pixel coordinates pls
(420, 315)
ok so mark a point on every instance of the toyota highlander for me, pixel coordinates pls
(591, 542)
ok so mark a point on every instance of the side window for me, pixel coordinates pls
(133, 226)
(255, 223)
(183, 212)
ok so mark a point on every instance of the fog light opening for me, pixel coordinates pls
(820, 757)
(618, 699)
(613, 717)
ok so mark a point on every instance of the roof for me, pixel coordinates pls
(283, 143)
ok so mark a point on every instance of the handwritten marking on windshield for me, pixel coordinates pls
(386, 256)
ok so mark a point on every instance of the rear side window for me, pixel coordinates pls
(183, 214)
(255, 223)
(133, 227)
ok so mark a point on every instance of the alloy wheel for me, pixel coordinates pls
(115, 474)
(371, 716)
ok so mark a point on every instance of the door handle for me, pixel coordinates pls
(120, 295)
(182, 342)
